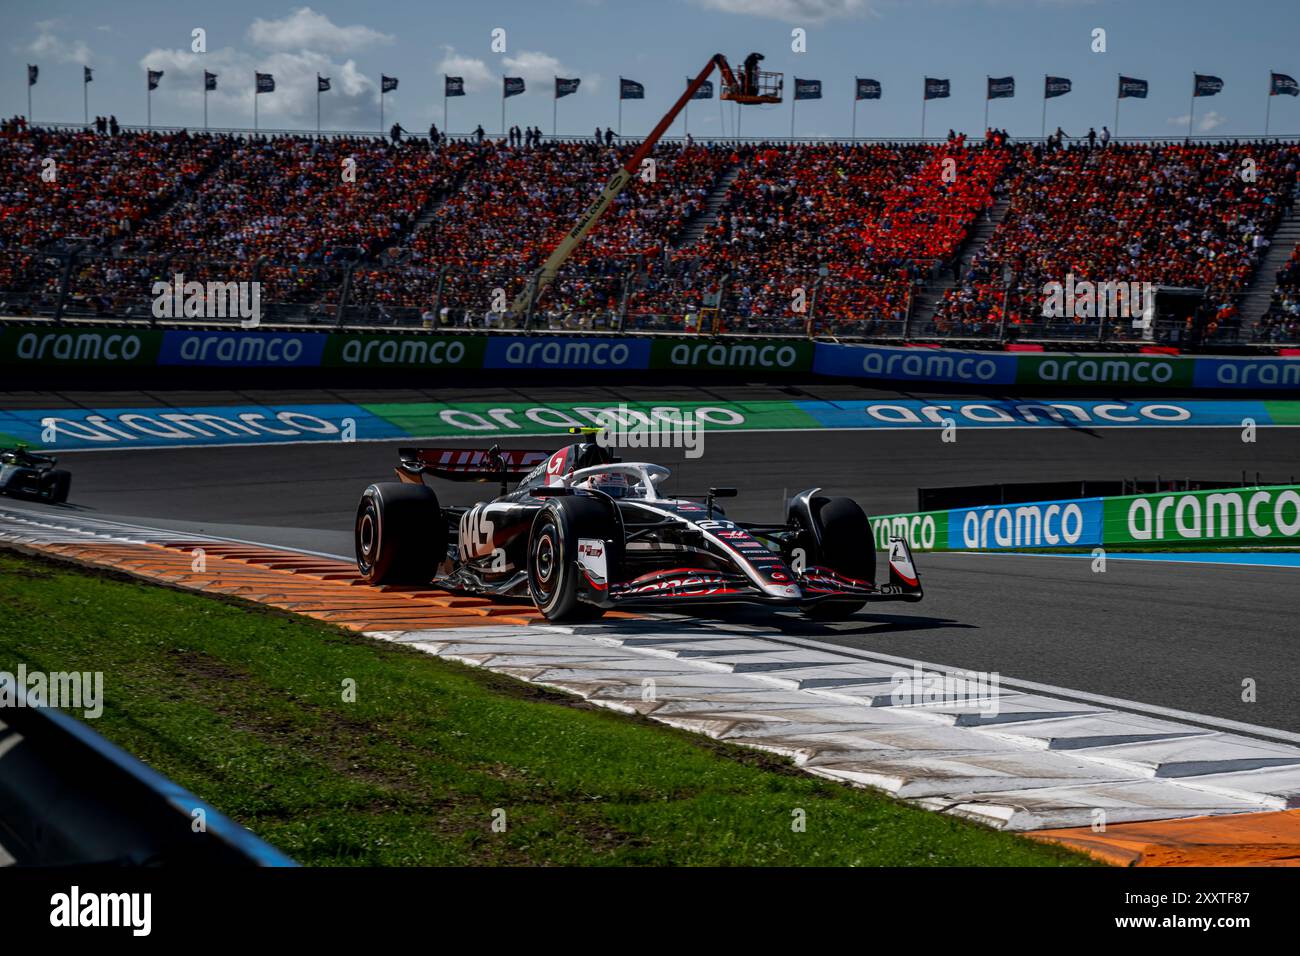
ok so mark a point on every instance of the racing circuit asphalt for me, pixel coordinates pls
(1182, 636)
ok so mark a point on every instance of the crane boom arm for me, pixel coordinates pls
(617, 183)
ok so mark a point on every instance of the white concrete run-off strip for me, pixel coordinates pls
(1032, 762)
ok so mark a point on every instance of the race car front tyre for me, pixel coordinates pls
(847, 547)
(400, 534)
(60, 483)
(553, 569)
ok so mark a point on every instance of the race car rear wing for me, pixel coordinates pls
(468, 464)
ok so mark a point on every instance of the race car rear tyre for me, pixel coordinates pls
(553, 570)
(60, 483)
(400, 534)
(847, 547)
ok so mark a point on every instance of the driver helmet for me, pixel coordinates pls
(614, 484)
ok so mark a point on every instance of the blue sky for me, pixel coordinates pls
(658, 42)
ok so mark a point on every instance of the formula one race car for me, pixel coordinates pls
(27, 475)
(583, 532)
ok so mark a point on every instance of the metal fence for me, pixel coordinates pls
(686, 295)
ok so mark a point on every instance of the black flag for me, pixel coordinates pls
(209, 81)
(1001, 87)
(1282, 85)
(807, 89)
(1128, 86)
(387, 83)
(866, 89)
(630, 90)
(87, 76)
(1056, 86)
(705, 92)
(265, 82)
(514, 85)
(1206, 85)
(453, 85)
(322, 84)
(32, 73)
(937, 89)
(565, 87)
(154, 77)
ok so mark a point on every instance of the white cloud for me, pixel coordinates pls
(305, 29)
(50, 44)
(540, 69)
(792, 11)
(476, 73)
(351, 103)
(1206, 123)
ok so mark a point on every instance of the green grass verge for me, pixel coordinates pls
(244, 706)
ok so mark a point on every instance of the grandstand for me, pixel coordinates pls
(854, 240)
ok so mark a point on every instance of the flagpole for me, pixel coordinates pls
(854, 136)
(503, 104)
(1268, 102)
(254, 101)
(85, 99)
(205, 105)
(555, 107)
(923, 111)
(620, 107)
(1191, 109)
(1042, 130)
(794, 98)
(986, 104)
(686, 115)
(1117, 107)
(29, 96)
(381, 106)
(148, 96)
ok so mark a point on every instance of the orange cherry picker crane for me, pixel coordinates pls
(754, 86)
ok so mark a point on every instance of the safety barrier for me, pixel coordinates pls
(1256, 517)
(68, 796)
(47, 346)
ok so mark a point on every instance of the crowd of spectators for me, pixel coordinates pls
(826, 238)
(1281, 323)
(833, 237)
(1182, 215)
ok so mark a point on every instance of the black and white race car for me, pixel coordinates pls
(24, 474)
(583, 533)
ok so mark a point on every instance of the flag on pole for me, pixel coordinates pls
(1056, 86)
(630, 89)
(387, 83)
(322, 84)
(866, 89)
(514, 85)
(453, 86)
(1001, 87)
(265, 82)
(565, 87)
(1128, 86)
(1280, 84)
(209, 81)
(937, 89)
(1206, 85)
(705, 92)
(154, 77)
(32, 73)
(87, 75)
(807, 89)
